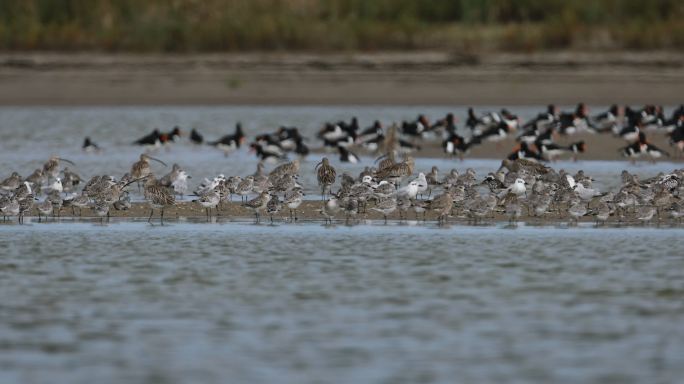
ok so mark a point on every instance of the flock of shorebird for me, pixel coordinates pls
(522, 187)
(535, 138)
(519, 188)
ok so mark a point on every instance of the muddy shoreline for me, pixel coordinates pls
(392, 78)
(309, 211)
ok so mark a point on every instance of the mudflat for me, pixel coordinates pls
(390, 78)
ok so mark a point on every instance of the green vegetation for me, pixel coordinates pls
(332, 25)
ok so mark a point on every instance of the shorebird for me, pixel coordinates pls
(347, 156)
(23, 190)
(403, 205)
(80, 202)
(209, 201)
(293, 199)
(258, 204)
(432, 179)
(57, 202)
(124, 202)
(141, 168)
(230, 143)
(387, 160)
(351, 209)
(285, 183)
(330, 208)
(442, 204)
(71, 180)
(196, 137)
(645, 214)
(264, 183)
(9, 207)
(677, 211)
(602, 213)
(585, 194)
(245, 187)
(25, 205)
(542, 204)
(398, 171)
(11, 183)
(158, 197)
(180, 185)
(478, 209)
(513, 210)
(420, 207)
(273, 206)
(409, 191)
(56, 186)
(325, 174)
(51, 167)
(423, 184)
(36, 179)
(170, 177)
(89, 146)
(386, 206)
(493, 183)
(101, 209)
(517, 188)
(577, 209)
(287, 168)
(151, 141)
(209, 185)
(44, 208)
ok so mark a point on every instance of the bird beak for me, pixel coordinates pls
(133, 181)
(66, 161)
(157, 160)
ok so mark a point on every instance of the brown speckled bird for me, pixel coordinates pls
(158, 196)
(141, 168)
(326, 175)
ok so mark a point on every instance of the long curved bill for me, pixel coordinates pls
(66, 160)
(157, 160)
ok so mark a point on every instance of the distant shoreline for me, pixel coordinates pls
(390, 78)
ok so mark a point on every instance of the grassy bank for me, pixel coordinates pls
(327, 25)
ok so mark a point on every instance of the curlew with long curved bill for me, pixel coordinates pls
(51, 167)
(141, 168)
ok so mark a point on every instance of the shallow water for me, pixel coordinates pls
(29, 135)
(305, 303)
(240, 303)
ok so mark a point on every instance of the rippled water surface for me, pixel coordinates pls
(240, 303)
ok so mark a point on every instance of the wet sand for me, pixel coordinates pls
(307, 212)
(394, 78)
